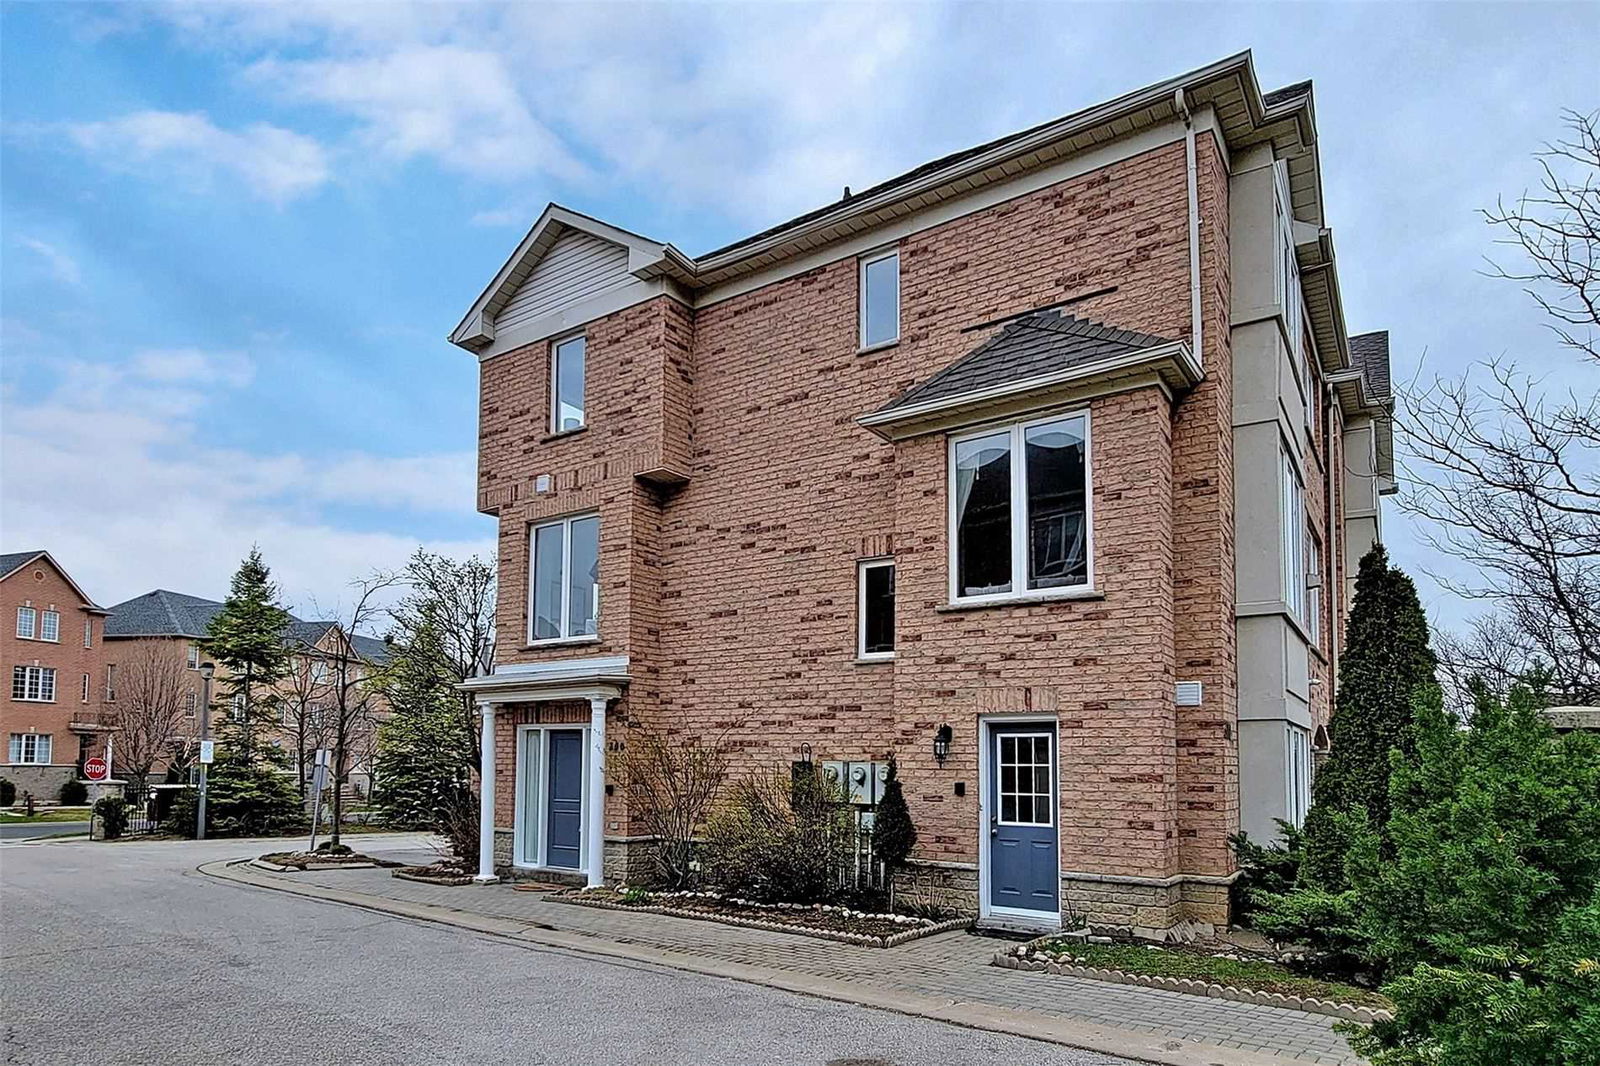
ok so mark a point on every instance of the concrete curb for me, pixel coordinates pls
(1144, 1047)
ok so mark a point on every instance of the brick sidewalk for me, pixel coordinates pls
(951, 966)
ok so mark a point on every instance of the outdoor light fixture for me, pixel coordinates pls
(208, 670)
(941, 743)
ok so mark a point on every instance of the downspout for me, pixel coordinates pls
(1195, 330)
(1335, 529)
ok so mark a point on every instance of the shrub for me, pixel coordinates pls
(112, 813)
(1269, 869)
(457, 822)
(8, 792)
(671, 784)
(74, 793)
(781, 839)
(245, 796)
(893, 832)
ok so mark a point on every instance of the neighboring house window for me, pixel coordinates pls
(31, 748)
(88, 633)
(1019, 509)
(190, 703)
(26, 617)
(85, 688)
(564, 579)
(34, 684)
(1293, 518)
(236, 707)
(1297, 775)
(880, 298)
(875, 609)
(193, 657)
(566, 389)
(319, 672)
(111, 683)
(50, 626)
(1314, 588)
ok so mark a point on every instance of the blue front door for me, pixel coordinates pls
(564, 803)
(1023, 851)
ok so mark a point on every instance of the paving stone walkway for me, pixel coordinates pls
(951, 965)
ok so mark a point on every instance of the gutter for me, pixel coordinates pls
(1181, 105)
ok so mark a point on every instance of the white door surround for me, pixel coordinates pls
(988, 913)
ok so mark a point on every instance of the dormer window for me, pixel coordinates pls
(880, 298)
(566, 385)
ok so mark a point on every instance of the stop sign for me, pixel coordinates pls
(95, 769)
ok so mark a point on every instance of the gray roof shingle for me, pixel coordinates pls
(1370, 354)
(11, 562)
(173, 614)
(1027, 347)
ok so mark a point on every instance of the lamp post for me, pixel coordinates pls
(206, 672)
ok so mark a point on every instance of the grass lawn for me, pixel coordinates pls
(53, 814)
(1253, 974)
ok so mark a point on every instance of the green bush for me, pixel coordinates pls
(245, 796)
(74, 793)
(112, 814)
(1269, 869)
(8, 792)
(781, 839)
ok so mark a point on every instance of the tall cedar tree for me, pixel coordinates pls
(249, 638)
(1387, 662)
(893, 834)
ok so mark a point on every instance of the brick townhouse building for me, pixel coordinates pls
(171, 625)
(1043, 467)
(51, 639)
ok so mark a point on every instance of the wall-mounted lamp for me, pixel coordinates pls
(941, 743)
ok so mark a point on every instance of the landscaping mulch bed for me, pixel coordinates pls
(1198, 970)
(813, 920)
(446, 872)
(320, 860)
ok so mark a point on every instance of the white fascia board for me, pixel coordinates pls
(606, 671)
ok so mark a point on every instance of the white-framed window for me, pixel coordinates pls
(192, 657)
(1026, 767)
(27, 617)
(564, 579)
(111, 683)
(85, 688)
(30, 749)
(88, 633)
(1297, 775)
(1288, 272)
(875, 609)
(50, 626)
(566, 384)
(191, 702)
(880, 298)
(319, 671)
(33, 684)
(236, 707)
(1314, 588)
(1020, 522)
(1292, 515)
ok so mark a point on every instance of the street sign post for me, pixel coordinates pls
(319, 778)
(208, 752)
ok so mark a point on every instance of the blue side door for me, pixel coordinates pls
(1024, 855)
(564, 802)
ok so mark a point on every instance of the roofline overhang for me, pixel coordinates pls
(87, 604)
(1171, 363)
(587, 678)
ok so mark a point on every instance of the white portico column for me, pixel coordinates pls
(486, 798)
(594, 804)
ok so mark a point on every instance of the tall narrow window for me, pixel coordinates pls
(190, 702)
(111, 683)
(85, 697)
(880, 298)
(26, 618)
(88, 633)
(564, 583)
(50, 626)
(566, 389)
(193, 657)
(1297, 775)
(1020, 509)
(875, 609)
(1293, 518)
(1314, 588)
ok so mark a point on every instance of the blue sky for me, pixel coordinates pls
(233, 236)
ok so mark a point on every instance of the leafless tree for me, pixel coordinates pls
(1507, 474)
(671, 783)
(152, 689)
(304, 696)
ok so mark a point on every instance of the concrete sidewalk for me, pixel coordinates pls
(947, 977)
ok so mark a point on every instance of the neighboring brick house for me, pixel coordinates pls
(175, 624)
(1020, 467)
(50, 639)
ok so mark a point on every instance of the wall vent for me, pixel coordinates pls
(1188, 693)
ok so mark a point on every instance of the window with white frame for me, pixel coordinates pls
(88, 633)
(33, 684)
(566, 384)
(30, 749)
(880, 298)
(1019, 509)
(191, 702)
(1293, 524)
(564, 579)
(1314, 588)
(875, 609)
(1297, 775)
(1288, 273)
(236, 707)
(192, 657)
(27, 617)
(85, 696)
(111, 683)
(50, 626)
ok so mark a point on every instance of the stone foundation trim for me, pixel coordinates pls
(1366, 1015)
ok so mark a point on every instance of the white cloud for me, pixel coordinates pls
(276, 164)
(62, 266)
(111, 471)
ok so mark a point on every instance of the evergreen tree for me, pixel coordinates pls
(1387, 663)
(246, 795)
(248, 637)
(425, 752)
(893, 834)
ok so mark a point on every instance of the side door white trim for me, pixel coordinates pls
(986, 742)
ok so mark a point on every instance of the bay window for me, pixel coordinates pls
(564, 579)
(1019, 509)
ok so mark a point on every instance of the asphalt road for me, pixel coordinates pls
(122, 953)
(36, 830)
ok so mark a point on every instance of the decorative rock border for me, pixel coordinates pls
(447, 882)
(1311, 1005)
(282, 869)
(859, 939)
